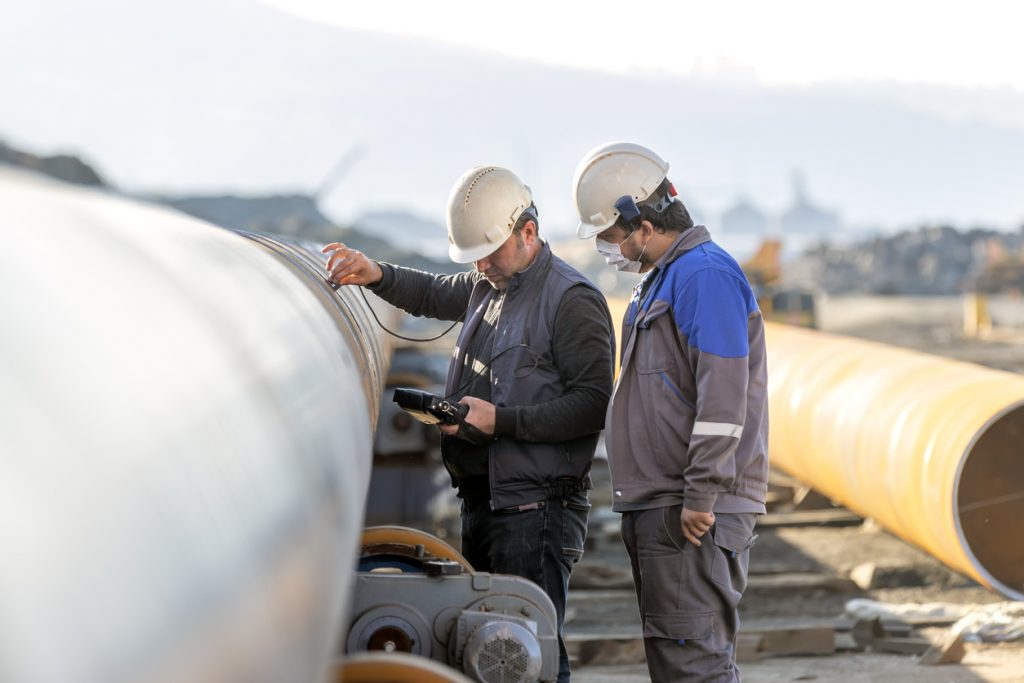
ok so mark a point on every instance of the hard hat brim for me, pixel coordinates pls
(606, 174)
(585, 231)
(458, 255)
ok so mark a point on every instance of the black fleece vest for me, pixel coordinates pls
(523, 373)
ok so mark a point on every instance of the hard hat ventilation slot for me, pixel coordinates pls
(472, 185)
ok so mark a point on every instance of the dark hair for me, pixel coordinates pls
(529, 214)
(675, 217)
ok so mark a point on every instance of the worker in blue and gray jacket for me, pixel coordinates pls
(687, 426)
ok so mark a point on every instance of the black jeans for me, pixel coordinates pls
(541, 545)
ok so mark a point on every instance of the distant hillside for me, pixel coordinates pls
(298, 217)
(64, 167)
(407, 229)
(290, 215)
(294, 216)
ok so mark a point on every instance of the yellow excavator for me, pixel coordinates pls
(793, 306)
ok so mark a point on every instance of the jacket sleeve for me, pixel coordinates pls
(583, 349)
(423, 294)
(713, 311)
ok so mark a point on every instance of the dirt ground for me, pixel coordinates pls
(799, 575)
(820, 552)
(989, 664)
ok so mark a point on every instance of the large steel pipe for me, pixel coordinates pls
(186, 421)
(931, 448)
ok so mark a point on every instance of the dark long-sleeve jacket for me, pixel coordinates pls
(549, 368)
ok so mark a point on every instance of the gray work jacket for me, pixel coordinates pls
(688, 420)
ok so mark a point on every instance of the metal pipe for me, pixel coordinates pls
(186, 425)
(931, 448)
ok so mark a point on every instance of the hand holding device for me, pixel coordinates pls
(429, 408)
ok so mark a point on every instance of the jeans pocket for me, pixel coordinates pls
(575, 511)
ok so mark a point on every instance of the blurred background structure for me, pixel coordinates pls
(863, 160)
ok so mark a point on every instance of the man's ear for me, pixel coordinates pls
(529, 232)
(647, 227)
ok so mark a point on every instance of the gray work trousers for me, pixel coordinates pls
(688, 595)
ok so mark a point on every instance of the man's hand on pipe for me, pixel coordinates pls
(350, 267)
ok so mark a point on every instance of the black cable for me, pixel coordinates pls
(395, 334)
(301, 267)
(336, 287)
(537, 359)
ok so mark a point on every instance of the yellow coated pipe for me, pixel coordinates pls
(931, 448)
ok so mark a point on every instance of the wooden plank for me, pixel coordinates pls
(835, 517)
(603, 595)
(598, 581)
(869, 576)
(599, 650)
(901, 646)
(949, 650)
(807, 498)
(786, 638)
(801, 581)
(846, 643)
(748, 647)
(918, 620)
(896, 629)
(795, 566)
(813, 640)
(898, 624)
(864, 575)
(599, 576)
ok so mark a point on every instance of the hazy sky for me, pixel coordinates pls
(781, 42)
(896, 113)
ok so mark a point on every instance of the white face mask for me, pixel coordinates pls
(613, 256)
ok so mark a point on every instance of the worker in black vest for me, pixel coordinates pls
(533, 363)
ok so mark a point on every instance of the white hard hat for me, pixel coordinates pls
(483, 207)
(608, 173)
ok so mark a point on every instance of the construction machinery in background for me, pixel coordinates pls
(992, 297)
(790, 305)
(409, 485)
